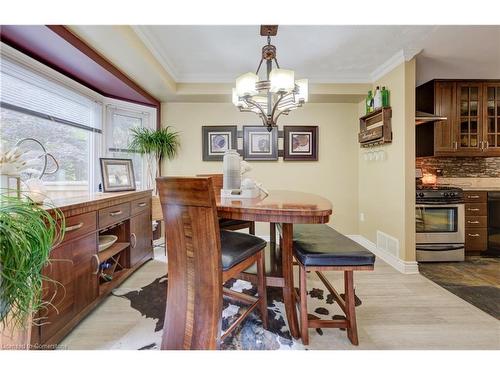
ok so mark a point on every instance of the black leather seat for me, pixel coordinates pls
(224, 223)
(321, 245)
(236, 247)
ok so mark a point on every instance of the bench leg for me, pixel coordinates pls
(304, 326)
(352, 330)
(261, 288)
(251, 228)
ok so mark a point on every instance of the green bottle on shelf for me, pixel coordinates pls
(385, 97)
(369, 102)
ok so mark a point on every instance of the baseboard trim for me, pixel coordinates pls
(398, 264)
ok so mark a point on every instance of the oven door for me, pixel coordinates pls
(440, 224)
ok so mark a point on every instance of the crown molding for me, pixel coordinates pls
(152, 45)
(390, 64)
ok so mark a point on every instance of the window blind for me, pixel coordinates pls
(28, 91)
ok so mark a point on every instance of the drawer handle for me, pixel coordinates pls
(116, 213)
(472, 222)
(73, 227)
(98, 263)
(473, 209)
(133, 240)
(473, 235)
(473, 196)
(143, 204)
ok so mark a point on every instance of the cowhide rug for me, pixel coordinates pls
(150, 301)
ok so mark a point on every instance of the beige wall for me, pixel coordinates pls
(334, 176)
(387, 188)
(383, 191)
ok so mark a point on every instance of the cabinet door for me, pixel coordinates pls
(141, 237)
(84, 265)
(469, 116)
(73, 285)
(445, 105)
(491, 115)
(59, 292)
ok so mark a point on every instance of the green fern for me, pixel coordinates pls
(162, 143)
(27, 234)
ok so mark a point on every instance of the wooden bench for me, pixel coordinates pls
(321, 248)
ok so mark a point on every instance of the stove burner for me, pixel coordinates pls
(437, 187)
(437, 194)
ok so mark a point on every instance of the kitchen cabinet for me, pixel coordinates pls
(491, 115)
(472, 108)
(476, 221)
(76, 279)
(469, 123)
(444, 131)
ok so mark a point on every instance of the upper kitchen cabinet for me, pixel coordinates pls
(472, 109)
(491, 115)
(470, 137)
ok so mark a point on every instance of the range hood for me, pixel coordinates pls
(424, 117)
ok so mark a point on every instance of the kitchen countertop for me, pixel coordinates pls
(472, 184)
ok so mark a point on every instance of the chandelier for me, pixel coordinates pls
(276, 95)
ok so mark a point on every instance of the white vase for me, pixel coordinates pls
(231, 169)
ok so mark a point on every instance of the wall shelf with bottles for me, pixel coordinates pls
(375, 128)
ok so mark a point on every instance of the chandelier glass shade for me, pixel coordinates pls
(276, 95)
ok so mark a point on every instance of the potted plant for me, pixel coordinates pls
(156, 145)
(28, 232)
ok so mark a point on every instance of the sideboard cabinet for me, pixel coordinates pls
(472, 108)
(78, 275)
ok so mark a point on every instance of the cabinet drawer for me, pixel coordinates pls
(476, 209)
(79, 225)
(475, 196)
(476, 222)
(476, 239)
(113, 214)
(140, 205)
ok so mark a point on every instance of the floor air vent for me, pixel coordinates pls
(387, 243)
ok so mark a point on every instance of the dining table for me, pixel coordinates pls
(285, 208)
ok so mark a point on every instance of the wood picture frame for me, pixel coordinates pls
(300, 143)
(217, 139)
(259, 144)
(117, 174)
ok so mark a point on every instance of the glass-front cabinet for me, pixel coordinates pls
(477, 128)
(491, 92)
(470, 117)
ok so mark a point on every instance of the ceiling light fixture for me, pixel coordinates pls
(277, 95)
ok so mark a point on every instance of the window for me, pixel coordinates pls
(119, 122)
(67, 118)
(66, 122)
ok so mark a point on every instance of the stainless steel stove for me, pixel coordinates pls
(440, 223)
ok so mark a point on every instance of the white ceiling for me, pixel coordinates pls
(174, 62)
(321, 53)
(470, 52)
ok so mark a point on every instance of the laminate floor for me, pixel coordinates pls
(397, 311)
(477, 280)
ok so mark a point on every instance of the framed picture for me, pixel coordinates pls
(301, 143)
(218, 139)
(259, 143)
(117, 174)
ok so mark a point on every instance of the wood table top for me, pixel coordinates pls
(280, 206)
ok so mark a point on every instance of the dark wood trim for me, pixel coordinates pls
(79, 44)
(35, 52)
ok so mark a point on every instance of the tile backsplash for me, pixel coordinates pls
(461, 167)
